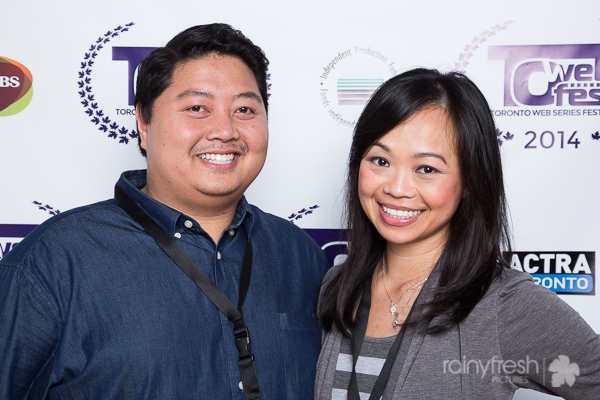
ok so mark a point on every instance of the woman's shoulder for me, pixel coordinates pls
(513, 295)
(513, 285)
(518, 301)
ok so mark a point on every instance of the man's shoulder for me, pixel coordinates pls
(64, 227)
(272, 222)
(283, 233)
(90, 213)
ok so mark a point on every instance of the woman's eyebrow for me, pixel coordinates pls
(430, 154)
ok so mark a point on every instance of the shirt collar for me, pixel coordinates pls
(133, 181)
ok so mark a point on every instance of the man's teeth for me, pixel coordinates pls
(400, 213)
(218, 158)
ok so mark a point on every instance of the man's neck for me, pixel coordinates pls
(214, 217)
(215, 225)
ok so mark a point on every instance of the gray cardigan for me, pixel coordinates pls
(520, 335)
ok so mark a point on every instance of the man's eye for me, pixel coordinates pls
(197, 108)
(246, 110)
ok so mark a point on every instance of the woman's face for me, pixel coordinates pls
(409, 182)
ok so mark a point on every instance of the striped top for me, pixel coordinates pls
(370, 361)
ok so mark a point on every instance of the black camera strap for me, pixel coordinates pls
(219, 299)
(358, 335)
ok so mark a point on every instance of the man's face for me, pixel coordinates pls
(207, 140)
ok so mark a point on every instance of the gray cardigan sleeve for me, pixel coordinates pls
(549, 343)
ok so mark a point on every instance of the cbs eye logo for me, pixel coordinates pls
(15, 87)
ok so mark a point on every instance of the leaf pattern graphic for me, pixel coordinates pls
(474, 45)
(85, 86)
(564, 371)
(46, 207)
(299, 214)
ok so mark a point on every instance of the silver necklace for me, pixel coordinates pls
(393, 309)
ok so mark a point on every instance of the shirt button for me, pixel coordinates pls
(218, 255)
(188, 224)
(177, 235)
(231, 232)
(241, 385)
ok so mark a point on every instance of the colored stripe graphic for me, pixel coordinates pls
(356, 91)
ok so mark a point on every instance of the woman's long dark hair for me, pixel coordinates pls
(479, 229)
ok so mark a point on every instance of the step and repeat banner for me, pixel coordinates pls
(67, 127)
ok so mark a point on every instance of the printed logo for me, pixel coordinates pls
(503, 371)
(496, 369)
(108, 116)
(107, 122)
(11, 235)
(333, 242)
(542, 75)
(564, 371)
(561, 272)
(350, 79)
(15, 87)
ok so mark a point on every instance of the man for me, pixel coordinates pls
(92, 308)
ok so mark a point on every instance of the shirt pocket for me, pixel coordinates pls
(301, 343)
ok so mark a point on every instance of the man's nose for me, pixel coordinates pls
(222, 127)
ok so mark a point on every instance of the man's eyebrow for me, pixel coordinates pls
(195, 93)
(430, 154)
(248, 95)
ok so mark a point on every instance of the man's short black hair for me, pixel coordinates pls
(155, 72)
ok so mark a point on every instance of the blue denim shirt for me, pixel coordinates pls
(91, 308)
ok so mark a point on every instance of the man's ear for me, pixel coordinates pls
(142, 127)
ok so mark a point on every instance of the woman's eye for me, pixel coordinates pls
(380, 162)
(427, 169)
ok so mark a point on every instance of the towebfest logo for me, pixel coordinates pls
(550, 75)
(561, 272)
(348, 81)
(16, 88)
(334, 242)
(105, 121)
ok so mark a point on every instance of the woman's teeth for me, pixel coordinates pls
(400, 213)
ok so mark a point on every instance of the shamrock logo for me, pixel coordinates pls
(564, 371)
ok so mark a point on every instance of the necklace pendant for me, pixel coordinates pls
(396, 322)
(393, 308)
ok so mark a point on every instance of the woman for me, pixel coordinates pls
(425, 306)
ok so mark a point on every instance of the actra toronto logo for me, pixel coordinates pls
(16, 88)
(349, 79)
(561, 272)
(544, 75)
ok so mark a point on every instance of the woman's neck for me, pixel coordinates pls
(406, 264)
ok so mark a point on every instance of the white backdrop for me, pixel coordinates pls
(53, 152)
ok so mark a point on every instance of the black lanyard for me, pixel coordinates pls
(218, 298)
(360, 329)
